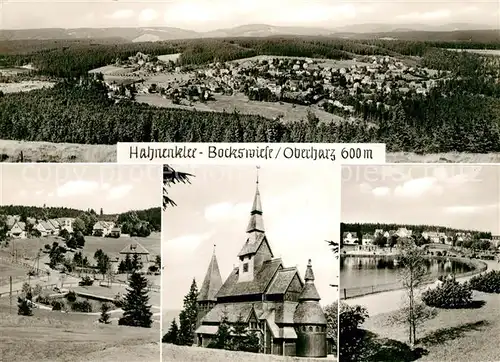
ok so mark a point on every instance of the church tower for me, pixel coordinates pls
(310, 320)
(209, 288)
(256, 249)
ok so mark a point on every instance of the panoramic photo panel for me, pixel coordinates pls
(421, 76)
(420, 263)
(250, 263)
(80, 255)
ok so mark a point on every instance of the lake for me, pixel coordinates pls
(364, 275)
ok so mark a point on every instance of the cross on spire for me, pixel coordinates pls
(258, 168)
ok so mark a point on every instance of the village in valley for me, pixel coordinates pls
(327, 88)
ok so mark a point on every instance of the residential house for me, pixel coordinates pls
(367, 240)
(431, 236)
(55, 226)
(136, 248)
(18, 230)
(350, 238)
(102, 228)
(66, 223)
(495, 239)
(42, 227)
(115, 232)
(404, 233)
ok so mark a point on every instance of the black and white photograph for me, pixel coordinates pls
(420, 263)
(76, 77)
(251, 263)
(80, 262)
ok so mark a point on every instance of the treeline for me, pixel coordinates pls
(151, 216)
(369, 228)
(70, 58)
(74, 113)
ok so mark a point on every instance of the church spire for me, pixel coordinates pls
(212, 282)
(309, 292)
(256, 222)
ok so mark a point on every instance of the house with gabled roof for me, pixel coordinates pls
(269, 298)
(102, 228)
(135, 248)
(66, 223)
(42, 227)
(18, 230)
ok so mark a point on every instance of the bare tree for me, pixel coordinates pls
(413, 274)
(170, 177)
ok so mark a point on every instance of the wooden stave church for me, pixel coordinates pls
(275, 301)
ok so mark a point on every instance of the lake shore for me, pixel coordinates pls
(353, 293)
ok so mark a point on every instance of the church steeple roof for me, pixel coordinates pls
(308, 310)
(256, 222)
(309, 292)
(212, 282)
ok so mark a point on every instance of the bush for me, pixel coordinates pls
(450, 294)
(57, 305)
(71, 296)
(487, 282)
(81, 306)
(86, 281)
(24, 307)
(350, 335)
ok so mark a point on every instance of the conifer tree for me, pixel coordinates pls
(136, 308)
(189, 316)
(104, 318)
(172, 336)
(222, 338)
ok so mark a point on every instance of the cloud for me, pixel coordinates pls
(418, 187)
(225, 211)
(186, 243)
(148, 15)
(122, 14)
(79, 187)
(469, 209)
(381, 191)
(425, 16)
(118, 192)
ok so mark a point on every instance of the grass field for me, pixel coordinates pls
(454, 335)
(111, 246)
(55, 336)
(16, 272)
(198, 354)
(241, 104)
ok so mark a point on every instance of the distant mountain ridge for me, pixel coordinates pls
(142, 34)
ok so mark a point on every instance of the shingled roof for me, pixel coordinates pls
(309, 292)
(258, 285)
(232, 311)
(256, 223)
(281, 281)
(308, 310)
(135, 248)
(252, 244)
(211, 283)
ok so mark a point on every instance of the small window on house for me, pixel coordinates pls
(245, 267)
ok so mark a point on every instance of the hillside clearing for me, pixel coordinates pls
(198, 354)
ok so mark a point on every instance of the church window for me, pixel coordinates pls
(245, 267)
(310, 328)
(317, 329)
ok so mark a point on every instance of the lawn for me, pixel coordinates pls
(56, 336)
(198, 354)
(454, 335)
(111, 246)
(16, 272)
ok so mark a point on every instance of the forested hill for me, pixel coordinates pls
(369, 228)
(152, 215)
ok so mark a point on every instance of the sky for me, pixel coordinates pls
(204, 15)
(458, 196)
(300, 212)
(115, 188)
